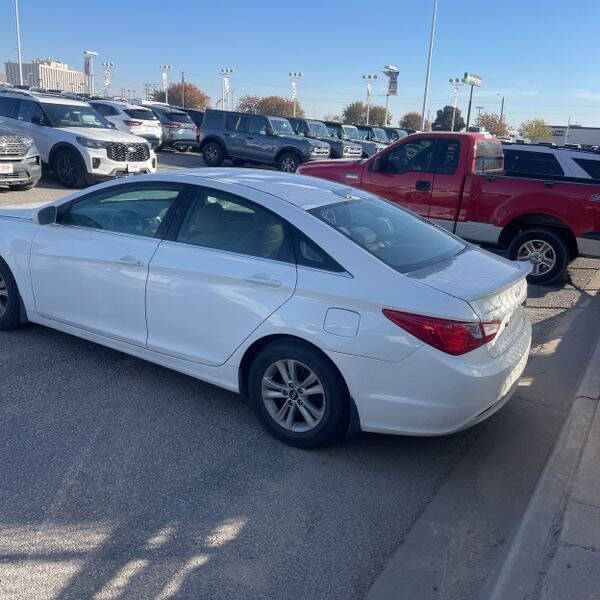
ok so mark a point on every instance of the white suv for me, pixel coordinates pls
(73, 139)
(131, 118)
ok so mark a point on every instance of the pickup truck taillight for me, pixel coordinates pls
(132, 123)
(172, 125)
(452, 337)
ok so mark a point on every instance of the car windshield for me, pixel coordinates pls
(380, 134)
(363, 134)
(74, 115)
(281, 126)
(395, 236)
(335, 131)
(319, 129)
(351, 132)
(140, 113)
(179, 117)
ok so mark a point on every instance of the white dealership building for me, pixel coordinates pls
(586, 136)
(48, 73)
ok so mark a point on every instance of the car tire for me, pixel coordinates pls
(282, 406)
(68, 169)
(545, 249)
(288, 162)
(10, 301)
(213, 155)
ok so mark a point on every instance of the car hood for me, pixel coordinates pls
(104, 135)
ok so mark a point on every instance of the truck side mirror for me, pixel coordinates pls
(377, 164)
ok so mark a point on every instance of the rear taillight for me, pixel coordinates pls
(132, 123)
(452, 337)
(172, 125)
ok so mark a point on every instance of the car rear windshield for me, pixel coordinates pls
(140, 113)
(591, 167)
(395, 236)
(179, 117)
(488, 156)
(74, 115)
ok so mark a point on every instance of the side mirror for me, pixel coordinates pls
(38, 120)
(269, 130)
(377, 164)
(112, 125)
(46, 215)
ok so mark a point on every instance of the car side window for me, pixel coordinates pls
(222, 221)
(309, 254)
(539, 163)
(591, 167)
(411, 156)
(447, 154)
(232, 122)
(105, 109)
(132, 210)
(9, 107)
(257, 125)
(28, 110)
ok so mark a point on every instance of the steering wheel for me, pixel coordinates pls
(125, 220)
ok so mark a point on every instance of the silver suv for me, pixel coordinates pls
(20, 165)
(179, 131)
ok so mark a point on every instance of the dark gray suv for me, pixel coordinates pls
(255, 139)
(317, 130)
(350, 133)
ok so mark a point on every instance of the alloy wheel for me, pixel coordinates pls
(540, 254)
(288, 165)
(3, 297)
(66, 168)
(293, 395)
(211, 153)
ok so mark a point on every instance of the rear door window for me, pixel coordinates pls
(9, 107)
(536, 163)
(591, 167)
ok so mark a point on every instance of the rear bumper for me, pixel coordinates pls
(589, 245)
(24, 172)
(430, 393)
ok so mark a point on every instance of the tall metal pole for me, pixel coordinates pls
(182, 89)
(469, 111)
(19, 42)
(502, 109)
(368, 78)
(387, 102)
(435, 3)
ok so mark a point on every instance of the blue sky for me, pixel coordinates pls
(541, 54)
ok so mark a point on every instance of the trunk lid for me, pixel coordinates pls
(494, 287)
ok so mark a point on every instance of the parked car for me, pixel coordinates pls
(256, 139)
(559, 161)
(350, 133)
(374, 134)
(457, 180)
(20, 164)
(76, 142)
(131, 118)
(197, 116)
(395, 133)
(317, 130)
(179, 131)
(333, 310)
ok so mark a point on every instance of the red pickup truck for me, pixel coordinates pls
(457, 180)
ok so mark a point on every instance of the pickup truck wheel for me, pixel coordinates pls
(69, 170)
(288, 162)
(9, 299)
(545, 250)
(213, 154)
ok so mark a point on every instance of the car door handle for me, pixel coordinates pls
(423, 186)
(261, 279)
(130, 261)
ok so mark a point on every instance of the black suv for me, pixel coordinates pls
(317, 130)
(255, 139)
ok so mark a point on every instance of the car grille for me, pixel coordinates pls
(128, 152)
(321, 151)
(12, 146)
(352, 151)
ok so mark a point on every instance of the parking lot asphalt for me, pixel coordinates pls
(122, 478)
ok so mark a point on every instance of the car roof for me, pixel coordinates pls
(42, 97)
(300, 190)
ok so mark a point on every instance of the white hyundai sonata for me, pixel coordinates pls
(333, 310)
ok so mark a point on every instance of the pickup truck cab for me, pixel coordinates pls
(457, 180)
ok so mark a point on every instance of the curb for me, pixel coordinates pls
(517, 574)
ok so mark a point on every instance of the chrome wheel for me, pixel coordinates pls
(293, 395)
(540, 254)
(3, 297)
(288, 165)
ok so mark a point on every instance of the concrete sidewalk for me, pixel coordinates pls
(555, 553)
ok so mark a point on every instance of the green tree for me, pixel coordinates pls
(356, 113)
(192, 95)
(276, 106)
(536, 130)
(443, 120)
(411, 120)
(494, 124)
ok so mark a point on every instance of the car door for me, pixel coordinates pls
(258, 144)
(224, 270)
(89, 269)
(447, 183)
(234, 135)
(404, 175)
(34, 123)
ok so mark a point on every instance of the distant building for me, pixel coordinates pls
(49, 74)
(586, 136)
(2, 78)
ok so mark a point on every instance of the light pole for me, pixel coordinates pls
(19, 42)
(294, 76)
(164, 76)
(392, 90)
(455, 83)
(368, 78)
(226, 73)
(435, 4)
(501, 105)
(479, 109)
(89, 68)
(107, 66)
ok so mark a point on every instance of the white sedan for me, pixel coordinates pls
(333, 310)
